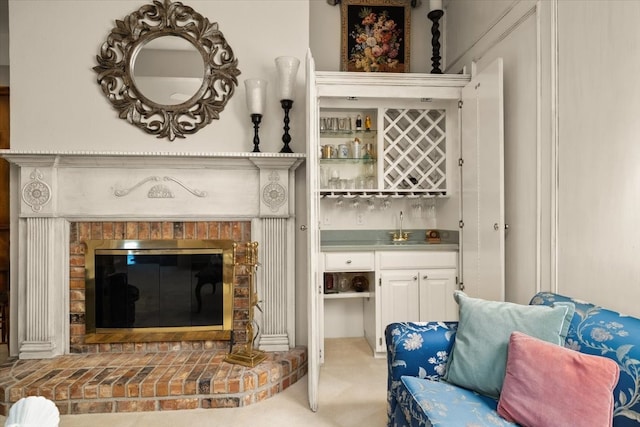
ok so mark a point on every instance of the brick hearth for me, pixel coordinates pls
(144, 381)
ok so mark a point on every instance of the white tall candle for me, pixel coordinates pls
(256, 95)
(435, 5)
(287, 67)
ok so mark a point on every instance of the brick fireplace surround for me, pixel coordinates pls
(238, 231)
(72, 197)
(127, 377)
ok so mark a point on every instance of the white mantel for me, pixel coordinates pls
(50, 189)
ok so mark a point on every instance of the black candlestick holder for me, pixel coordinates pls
(435, 16)
(286, 138)
(256, 119)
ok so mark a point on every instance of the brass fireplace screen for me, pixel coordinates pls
(159, 290)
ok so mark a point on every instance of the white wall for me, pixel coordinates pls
(599, 152)
(56, 103)
(571, 106)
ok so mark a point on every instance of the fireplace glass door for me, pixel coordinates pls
(158, 287)
(149, 289)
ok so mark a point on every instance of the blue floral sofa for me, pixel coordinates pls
(417, 356)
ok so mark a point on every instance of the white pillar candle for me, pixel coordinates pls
(435, 5)
(256, 95)
(287, 67)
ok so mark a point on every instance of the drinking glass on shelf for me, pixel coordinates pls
(371, 182)
(324, 177)
(344, 284)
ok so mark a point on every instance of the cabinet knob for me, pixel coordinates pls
(348, 261)
(303, 227)
(415, 277)
(425, 277)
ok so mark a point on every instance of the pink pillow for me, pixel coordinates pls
(549, 385)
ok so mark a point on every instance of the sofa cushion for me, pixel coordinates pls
(546, 384)
(426, 403)
(479, 354)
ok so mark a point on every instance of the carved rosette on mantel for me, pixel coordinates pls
(57, 188)
(36, 193)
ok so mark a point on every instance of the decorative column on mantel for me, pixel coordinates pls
(42, 303)
(277, 275)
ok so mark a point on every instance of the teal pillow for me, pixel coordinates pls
(479, 355)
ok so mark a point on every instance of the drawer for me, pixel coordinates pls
(349, 261)
(417, 259)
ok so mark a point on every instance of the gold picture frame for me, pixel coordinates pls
(375, 35)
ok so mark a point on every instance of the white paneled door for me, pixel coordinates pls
(482, 152)
(314, 279)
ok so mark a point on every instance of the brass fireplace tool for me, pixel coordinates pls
(246, 355)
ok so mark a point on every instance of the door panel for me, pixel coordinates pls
(399, 296)
(314, 272)
(482, 148)
(436, 295)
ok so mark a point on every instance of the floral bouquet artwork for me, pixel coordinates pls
(375, 38)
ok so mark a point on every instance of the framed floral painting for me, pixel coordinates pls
(375, 35)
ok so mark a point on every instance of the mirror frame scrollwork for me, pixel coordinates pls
(118, 53)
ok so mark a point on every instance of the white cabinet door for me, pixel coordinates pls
(436, 295)
(399, 292)
(482, 203)
(315, 284)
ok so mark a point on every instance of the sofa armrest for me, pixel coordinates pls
(417, 349)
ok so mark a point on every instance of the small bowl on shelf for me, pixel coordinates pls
(360, 283)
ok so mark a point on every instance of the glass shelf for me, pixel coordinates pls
(347, 133)
(348, 160)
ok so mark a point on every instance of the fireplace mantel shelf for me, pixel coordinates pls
(149, 159)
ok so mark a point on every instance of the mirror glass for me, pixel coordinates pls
(168, 70)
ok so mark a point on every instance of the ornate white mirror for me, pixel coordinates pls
(167, 69)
